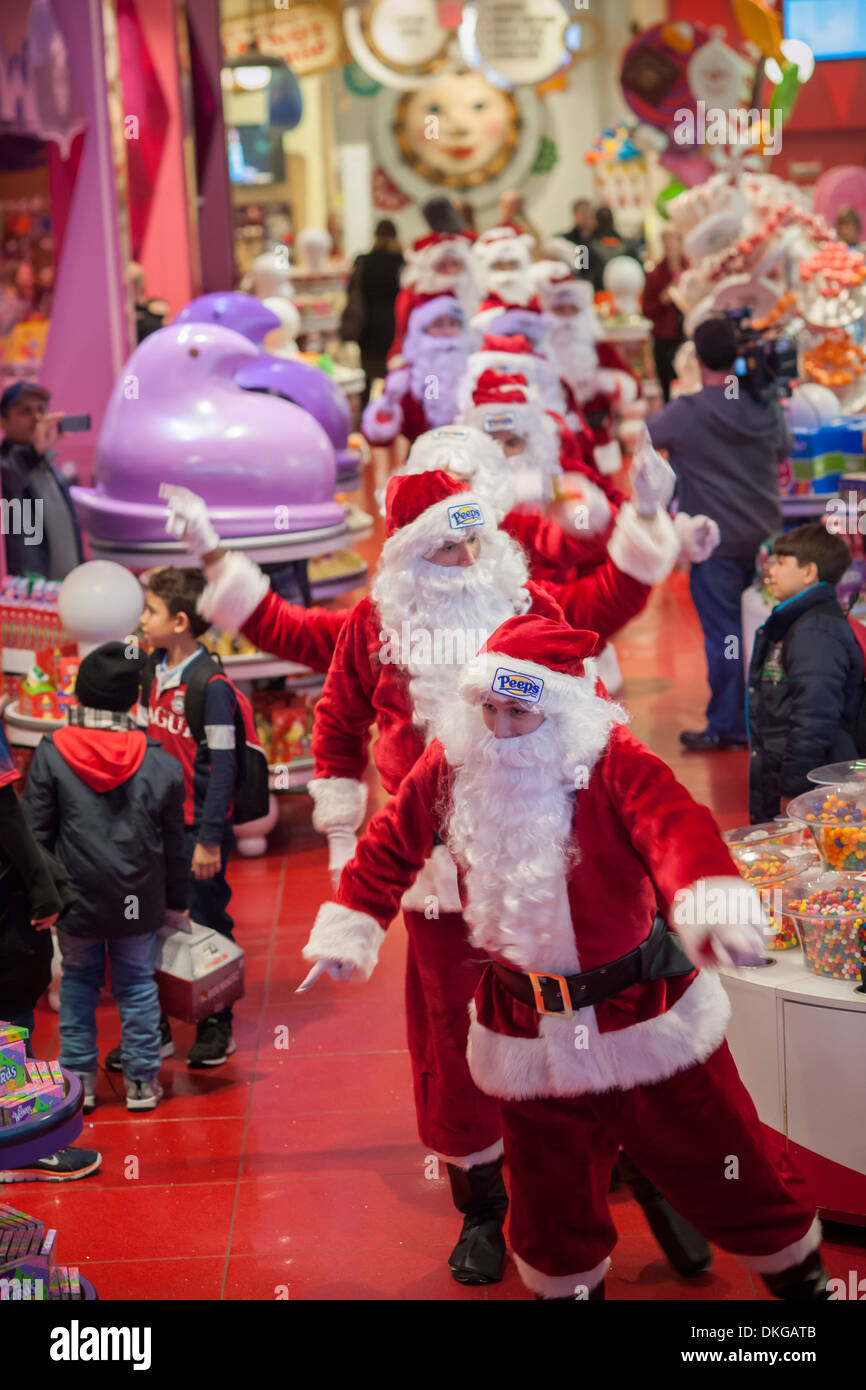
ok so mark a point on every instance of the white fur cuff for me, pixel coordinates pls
(647, 548)
(339, 803)
(789, 1257)
(561, 1285)
(236, 588)
(377, 431)
(340, 933)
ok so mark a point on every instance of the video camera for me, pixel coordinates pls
(765, 365)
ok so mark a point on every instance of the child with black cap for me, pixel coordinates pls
(109, 801)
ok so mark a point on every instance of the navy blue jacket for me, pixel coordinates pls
(805, 688)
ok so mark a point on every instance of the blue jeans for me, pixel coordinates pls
(208, 898)
(132, 960)
(717, 587)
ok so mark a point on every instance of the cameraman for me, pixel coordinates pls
(725, 448)
(27, 475)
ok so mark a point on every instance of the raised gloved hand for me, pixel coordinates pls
(341, 848)
(698, 536)
(188, 519)
(715, 920)
(726, 945)
(337, 969)
(653, 479)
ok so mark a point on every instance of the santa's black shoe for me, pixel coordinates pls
(685, 1248)
(802, 1283)
(479, 1193)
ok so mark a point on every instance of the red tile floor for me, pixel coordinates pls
(295, 1169)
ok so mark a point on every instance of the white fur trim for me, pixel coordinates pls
(236, 588)
(560, 691)
(339, 803)
(472, 1160)
(340, 933)
(377, 431)
(645, 548)
(437, 879)
(430, 530)
(607, 458)
(560, 1285)
(551, 1065)
(788, 1258)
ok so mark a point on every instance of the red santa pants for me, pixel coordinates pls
(697, 1136)
(455, 1119)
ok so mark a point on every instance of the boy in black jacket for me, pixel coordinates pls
(109, 801)
(806, 674)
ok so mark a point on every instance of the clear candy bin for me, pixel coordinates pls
(829, 912)
(836, 816)
(767, 856)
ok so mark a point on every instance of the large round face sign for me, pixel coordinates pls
(654, 74)
(522, 41)
(404, 34)
(457, 131)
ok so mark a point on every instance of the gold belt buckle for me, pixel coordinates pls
(535, 979)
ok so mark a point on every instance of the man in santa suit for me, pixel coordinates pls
(439, 263)
(503, 257)
(423, 394)
(446, 578)
(592, 1025)
(512, 353)
(595, 372)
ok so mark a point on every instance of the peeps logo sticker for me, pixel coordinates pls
(450, 432)
(470, 514)
(515, 683)
(500, 420)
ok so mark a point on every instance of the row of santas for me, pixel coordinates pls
(491, 302)
(448, 575)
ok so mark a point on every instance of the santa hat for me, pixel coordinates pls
(509, 320)
(428, 307)
(490, 245)
(460, 449)
(539, 661)
(511, 356)
(555, 284)
(424, 511)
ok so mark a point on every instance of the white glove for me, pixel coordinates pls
(592, 512)
(698, 536)
(653, 480)
(727, 945)
(188, 519)
(341, 848)
(337, 969)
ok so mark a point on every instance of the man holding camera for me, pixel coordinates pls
(725, 447)
(45, 539)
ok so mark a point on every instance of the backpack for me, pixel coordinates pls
(251, 794)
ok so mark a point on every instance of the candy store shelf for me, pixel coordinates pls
(24, 1143)
(25, 731)
(302, 545)
(806, 504)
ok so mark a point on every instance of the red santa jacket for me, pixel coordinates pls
(306, 635)
(640, 839)
(610, 359)
(554, 554)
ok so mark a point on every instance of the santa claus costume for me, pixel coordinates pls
(423, 394)
(592, 1024)
(396, 666)
(439, 263)
(595, 372)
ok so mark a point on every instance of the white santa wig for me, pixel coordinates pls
(421, 275)
(541, 377)
(531, 421)
(443, 358)
(465, 452)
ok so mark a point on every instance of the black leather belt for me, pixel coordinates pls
(659, 957)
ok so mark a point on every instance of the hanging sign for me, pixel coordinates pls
(308, 37)
(522, 41)
(405, 34)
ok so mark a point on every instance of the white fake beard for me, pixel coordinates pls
(446, 364)
(575, 357)
(443, 614)
(512, 286)
(510, 825)
(463, 286)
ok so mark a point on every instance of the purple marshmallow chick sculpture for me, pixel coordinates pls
(303, 383)
(178, 415)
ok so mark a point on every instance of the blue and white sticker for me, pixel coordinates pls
(518, 685)
(500, 420)
(450, 432)
(464, 516)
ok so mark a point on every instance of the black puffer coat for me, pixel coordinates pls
(805, 689)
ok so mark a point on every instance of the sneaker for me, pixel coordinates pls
(213, 1044)
(114, 1062)
(88, 1086)
(64, 1166)
(142, 1095)
(706, 742)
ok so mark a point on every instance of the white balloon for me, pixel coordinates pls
(812, 405)
(100, 601)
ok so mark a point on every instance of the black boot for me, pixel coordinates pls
(685, 1248)
(479, 1193)
(804, 1283)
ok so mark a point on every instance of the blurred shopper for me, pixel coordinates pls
(512, 213)
(725, 448)
(590, 266)
(849, 227)
(368, 318)
(466, 213)
(659, 308)
(45, 538)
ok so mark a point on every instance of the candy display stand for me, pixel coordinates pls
(24, 730)
(22, 1144)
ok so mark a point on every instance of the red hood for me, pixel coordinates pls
(102, 758)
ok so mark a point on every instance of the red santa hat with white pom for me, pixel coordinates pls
(538, 661)
(424, 511)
